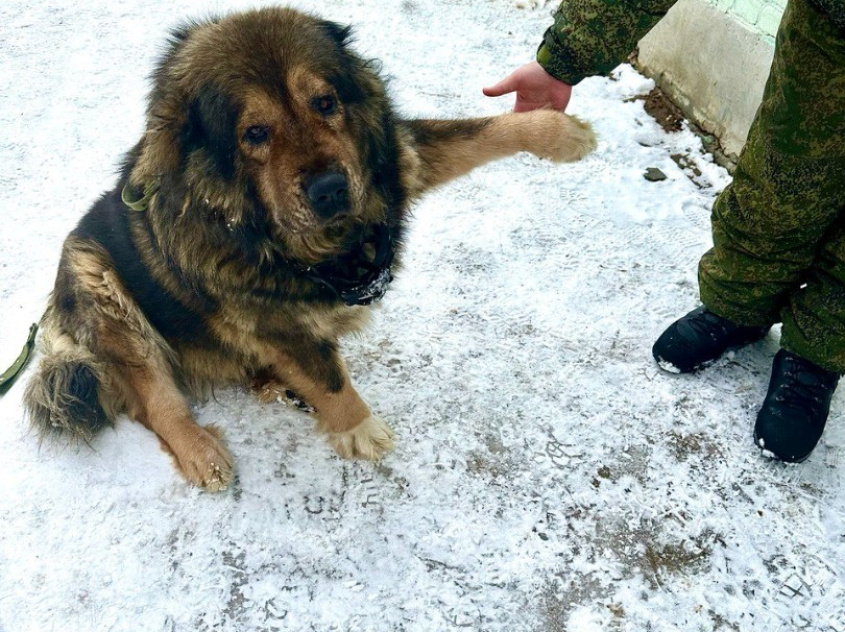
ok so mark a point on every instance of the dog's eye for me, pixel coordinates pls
(257, 134)
(325, 105)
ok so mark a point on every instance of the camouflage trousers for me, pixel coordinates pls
(779, 228)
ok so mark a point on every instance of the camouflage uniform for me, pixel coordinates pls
(779, 228)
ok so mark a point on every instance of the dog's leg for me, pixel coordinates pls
(448, 149)
(154, 399)
(138, 364)
(323, 382)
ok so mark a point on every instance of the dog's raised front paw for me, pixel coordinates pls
(560, 137)
(368, 440)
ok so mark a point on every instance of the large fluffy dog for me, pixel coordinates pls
(261, 211)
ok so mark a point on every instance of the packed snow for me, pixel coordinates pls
(548, 476)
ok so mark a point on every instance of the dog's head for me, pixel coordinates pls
(268, 120)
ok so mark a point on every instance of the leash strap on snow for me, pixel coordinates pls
(11, 374)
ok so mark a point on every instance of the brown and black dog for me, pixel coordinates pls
(261, 212)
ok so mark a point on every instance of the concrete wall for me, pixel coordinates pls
(760, 16)
(712, 57)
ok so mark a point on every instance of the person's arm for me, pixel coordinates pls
(592, 37)
(588, 37)
(534, 87)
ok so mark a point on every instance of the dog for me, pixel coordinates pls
(258, 218)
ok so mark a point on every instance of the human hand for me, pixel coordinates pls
(534, 87)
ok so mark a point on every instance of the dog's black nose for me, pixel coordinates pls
(328, 193)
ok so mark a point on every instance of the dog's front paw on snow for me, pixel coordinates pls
(369, 440)
(204, 459)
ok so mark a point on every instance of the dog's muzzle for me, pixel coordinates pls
(328, 194)
(356, 277)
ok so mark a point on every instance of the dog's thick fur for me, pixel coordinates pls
(208, 283)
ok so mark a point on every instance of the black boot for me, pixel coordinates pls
(792, 419)
(699, 338)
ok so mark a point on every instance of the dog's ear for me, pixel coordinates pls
(211, 125)
(350, 78)
(340, 33)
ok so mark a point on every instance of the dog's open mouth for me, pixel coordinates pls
(362, 275)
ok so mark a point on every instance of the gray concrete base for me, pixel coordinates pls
(711, 66)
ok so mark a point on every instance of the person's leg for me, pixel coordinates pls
(789, 186)
(814, 317)
(806, 370)
(787, 193)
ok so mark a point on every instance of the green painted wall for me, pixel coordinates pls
(761, 16)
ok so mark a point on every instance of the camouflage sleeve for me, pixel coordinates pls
(835, 10)
(591, 37)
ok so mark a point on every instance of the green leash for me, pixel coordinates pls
(138, 204)
(11, 374)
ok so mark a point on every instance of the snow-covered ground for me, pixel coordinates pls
(548, 476)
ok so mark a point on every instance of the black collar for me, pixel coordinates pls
(359, 278)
